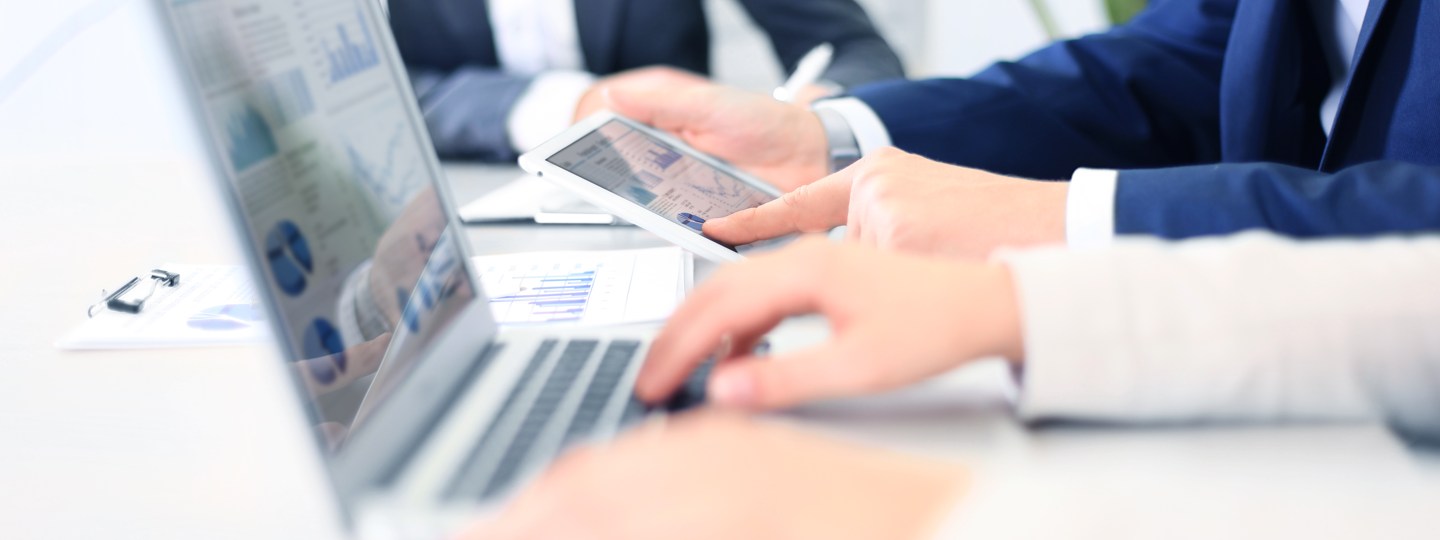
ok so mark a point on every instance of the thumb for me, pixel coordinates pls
(786, 380)
(670, 111)
(816, 207)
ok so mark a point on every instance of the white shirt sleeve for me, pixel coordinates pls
(1090, 209)
(1253, 327)
(540, 38)
(532, 36)
(870, 132)
(546, 108)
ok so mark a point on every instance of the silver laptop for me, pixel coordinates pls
(428, 416)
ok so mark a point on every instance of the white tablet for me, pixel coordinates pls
(650, 179)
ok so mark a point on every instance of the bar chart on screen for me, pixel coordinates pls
(339, 41)
(585, 288)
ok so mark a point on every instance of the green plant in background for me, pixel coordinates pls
(1122, 10)
(1119, 11)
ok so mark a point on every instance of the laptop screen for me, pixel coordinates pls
(309, 118)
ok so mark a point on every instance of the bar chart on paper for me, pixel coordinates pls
(585, 288)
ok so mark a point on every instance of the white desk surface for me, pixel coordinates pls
(206, 443)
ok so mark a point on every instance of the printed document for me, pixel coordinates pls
(212, 306)
(586, 287)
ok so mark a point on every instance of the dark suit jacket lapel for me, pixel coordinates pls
(1273, 82)
(1361, 71)
(600, 25)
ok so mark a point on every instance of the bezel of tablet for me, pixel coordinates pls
(537, 162)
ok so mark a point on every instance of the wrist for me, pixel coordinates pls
(813, 152)
(840, 144)
(1036, 215)
(1055, 197)
(1009, 334)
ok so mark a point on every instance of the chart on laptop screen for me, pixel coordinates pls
(340, 43)
(314, 132)
(308, 116)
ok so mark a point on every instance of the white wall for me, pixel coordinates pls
(88, 77)
(964, 36)
(933, 37)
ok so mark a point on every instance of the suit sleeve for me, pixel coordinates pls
(1141, 95)
(1249, 328)
(465, 110)
(796, 26)
(450, 53)
(1373, 198)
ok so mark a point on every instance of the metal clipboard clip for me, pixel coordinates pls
(127, 303)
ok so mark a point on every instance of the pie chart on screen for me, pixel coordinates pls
(691, 220)
(226, 317)
(323, 339)
(288, 255)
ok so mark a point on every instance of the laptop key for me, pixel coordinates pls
(567, 368)
(635, 411)
(692, 393)
(602, 386)
(469, 474)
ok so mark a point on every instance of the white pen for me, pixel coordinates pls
(811, 66)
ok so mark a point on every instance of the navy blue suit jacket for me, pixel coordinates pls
(449, 49)
(1211, 110)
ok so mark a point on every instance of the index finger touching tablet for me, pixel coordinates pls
(816, 207)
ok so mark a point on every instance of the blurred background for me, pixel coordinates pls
(87, 74)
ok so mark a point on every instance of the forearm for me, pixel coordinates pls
(1248, 328)
(1142, 95)
(1373, 198)
(467, 109)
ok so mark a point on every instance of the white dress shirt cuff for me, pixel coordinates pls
(870, 132)
(546, 108)
(1090, 209)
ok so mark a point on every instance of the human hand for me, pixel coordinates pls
(895, 319)
(403, 251)
(656, 78)
(809, 93)
(900, 201)
(781, 143)
(709, 475)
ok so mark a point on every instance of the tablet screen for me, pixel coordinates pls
(642, 169)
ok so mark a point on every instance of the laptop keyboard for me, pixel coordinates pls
(471, 473)
(480, 479)
(602, 387)
(561, 378)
